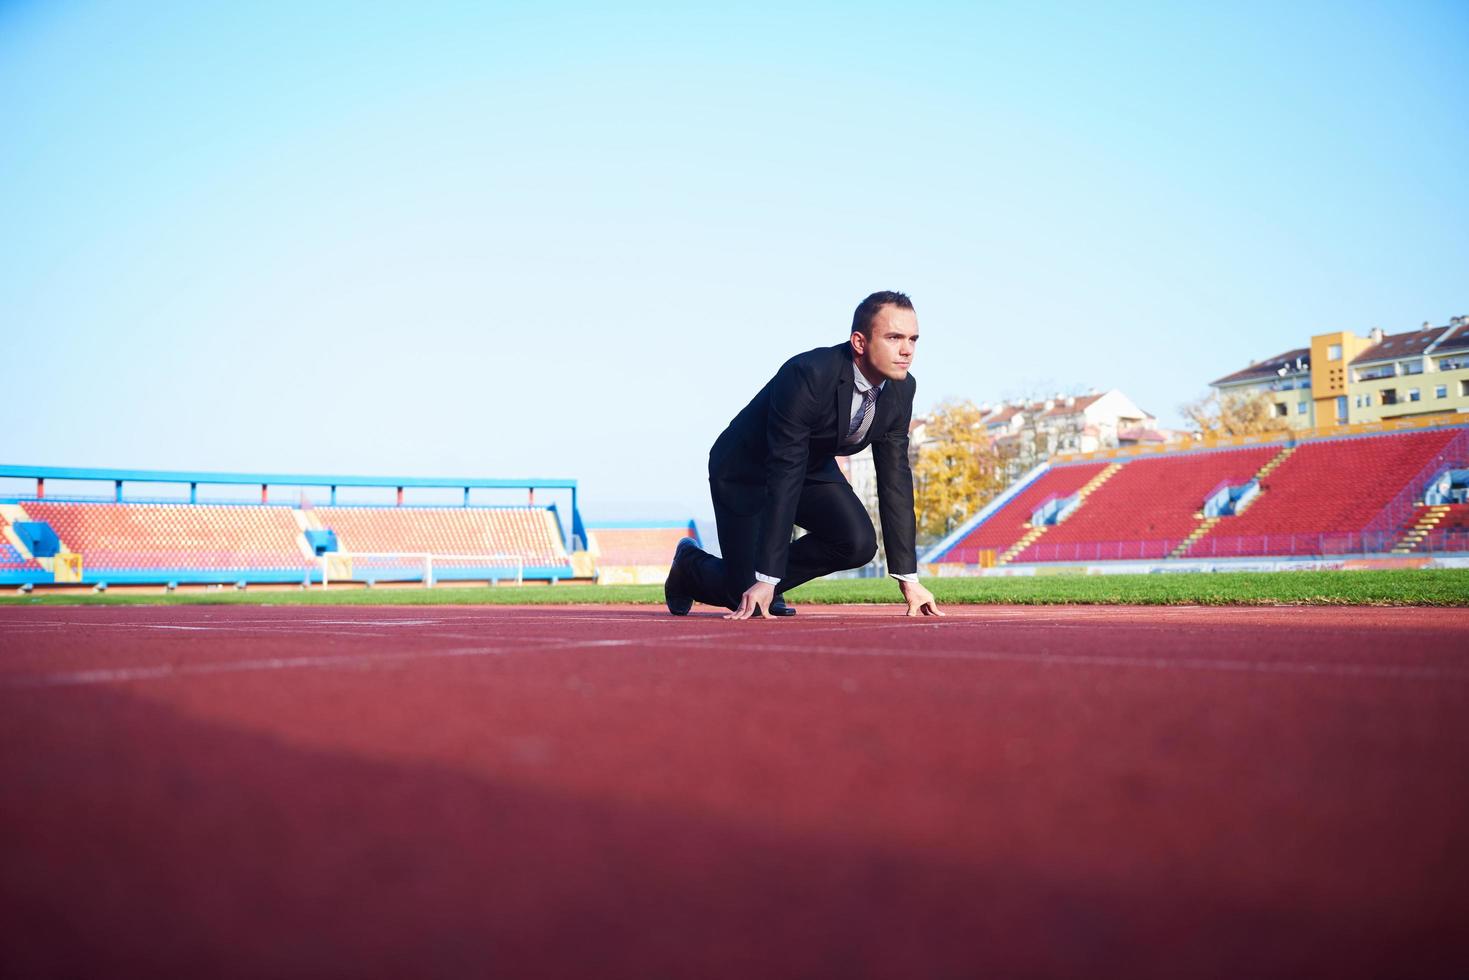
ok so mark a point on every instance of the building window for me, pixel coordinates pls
(1280, 411)
(1413, 395)
(1301, 407)
(1442, 391)
(1464, 389)
(1333, 353)
(1389, 396)
(1341, 408)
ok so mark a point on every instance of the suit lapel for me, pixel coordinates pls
(844, 396)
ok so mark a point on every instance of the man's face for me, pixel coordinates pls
(889, 353)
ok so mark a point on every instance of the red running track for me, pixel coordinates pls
(613, 792)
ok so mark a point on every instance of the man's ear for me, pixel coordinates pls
(859, 342)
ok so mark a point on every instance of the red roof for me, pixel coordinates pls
(1006, 412)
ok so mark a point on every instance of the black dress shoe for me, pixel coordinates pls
(778, 607)
(675, 587)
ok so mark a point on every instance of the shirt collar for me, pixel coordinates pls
(861, 379)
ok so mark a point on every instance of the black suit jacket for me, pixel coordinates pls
(791, 432)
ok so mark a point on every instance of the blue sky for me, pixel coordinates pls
(573, 240)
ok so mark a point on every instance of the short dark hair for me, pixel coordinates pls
(867, 309)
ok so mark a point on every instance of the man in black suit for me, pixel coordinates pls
(774, 467)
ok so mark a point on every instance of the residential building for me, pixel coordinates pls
(1345, 378)
(1025, 433)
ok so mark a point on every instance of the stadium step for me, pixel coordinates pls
(1414, 536)
(1096, 481)
(1205, 526)
(1265, 471)
(1025, 541)
(1034, 533)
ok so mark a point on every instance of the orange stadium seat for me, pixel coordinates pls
(224, 537)
(530, 533)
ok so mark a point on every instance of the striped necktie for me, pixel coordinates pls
(862, 417)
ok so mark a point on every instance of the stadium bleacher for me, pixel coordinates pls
(96, 540)
(12, 560)
(1325, 497)
(1366, 493)
(138, 537)
(636, 552)
(643, 544)
(529, 533)
(1360, 493)
(1148, 507)
(1008, 525)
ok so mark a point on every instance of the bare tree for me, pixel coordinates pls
(1243, 414)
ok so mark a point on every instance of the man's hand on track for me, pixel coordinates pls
(920, 600)
(756, 599)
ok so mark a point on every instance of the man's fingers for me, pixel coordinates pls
(924, 607)
(749, 607)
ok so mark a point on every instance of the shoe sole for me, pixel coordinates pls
(677, 605)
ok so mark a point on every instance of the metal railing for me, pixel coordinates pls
(1332, 544)
(1396, 511)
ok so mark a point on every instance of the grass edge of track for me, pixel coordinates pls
(1374, 587)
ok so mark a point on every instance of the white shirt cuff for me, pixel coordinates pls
(767, 579)
(906, 577)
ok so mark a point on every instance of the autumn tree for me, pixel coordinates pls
(955, 470)
(1234, 414)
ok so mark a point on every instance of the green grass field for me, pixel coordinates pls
(1427, 587)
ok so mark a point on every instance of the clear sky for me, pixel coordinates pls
(572, 240)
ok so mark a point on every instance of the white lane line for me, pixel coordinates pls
(118, 675)
(1307, 669)
(148, 672)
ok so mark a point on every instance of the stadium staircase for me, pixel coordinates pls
(1265, 471)
(1034, 534)
(1207, 524)
(1452, 531)
(1427, 519)
(1008, 523)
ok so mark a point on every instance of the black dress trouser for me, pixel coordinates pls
(839, 535)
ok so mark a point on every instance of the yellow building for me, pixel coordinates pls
(1343, 378)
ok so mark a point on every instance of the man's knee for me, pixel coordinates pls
(863, 548)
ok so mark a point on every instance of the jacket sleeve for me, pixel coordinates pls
(895, 490)
(793, 403)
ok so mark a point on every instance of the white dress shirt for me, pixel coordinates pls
(859, 389)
